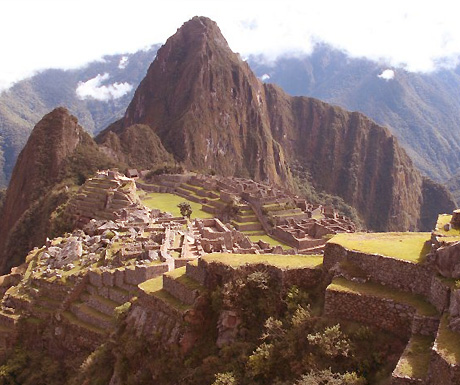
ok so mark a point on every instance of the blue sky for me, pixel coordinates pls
(38, 34)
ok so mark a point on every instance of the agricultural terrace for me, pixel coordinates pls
(448, 342)
(444, 219)
(410, 247)
(381, 291)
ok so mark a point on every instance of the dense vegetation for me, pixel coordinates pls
(282, 340)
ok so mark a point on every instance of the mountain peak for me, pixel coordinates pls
(210, 112)
(201, 28)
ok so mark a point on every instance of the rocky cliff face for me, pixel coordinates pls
(211, 112)
(207, 107)
(58, 150)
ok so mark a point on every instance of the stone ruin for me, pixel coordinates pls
(103, 197)
(262, 209)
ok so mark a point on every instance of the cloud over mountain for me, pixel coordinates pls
(93, 88)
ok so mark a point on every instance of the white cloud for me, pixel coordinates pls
(265, 77)
(418, 35)
(387, 74)
(94, 89)
(123, 62)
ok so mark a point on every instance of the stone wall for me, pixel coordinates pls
(441, 372)
(179, 291)
(402, 275)
(439, 294)
(196, 272)
(380, 312)
(130, 275)
(218, 273)
(286, 236)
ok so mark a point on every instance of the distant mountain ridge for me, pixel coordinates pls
(421, 110)
(22, 106)
(200, 105)
(207, 108)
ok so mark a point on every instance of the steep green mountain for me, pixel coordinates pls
(59, 155)
(210, 112)
(22, 106)
(421, 110)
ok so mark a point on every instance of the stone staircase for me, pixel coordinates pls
(175, 289)
(279, 212)
(247, 221)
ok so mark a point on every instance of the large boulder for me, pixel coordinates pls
(447, 260)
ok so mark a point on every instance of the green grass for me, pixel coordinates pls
(168, 202)
(94, 313)
(444, 219)
(71, 318)
(179, 275)
(246, 223)
(281, 261)
(448, 342)
(106, 301)
(376, 290)
(415, 360)
(154, 287)
(270, 240)
(406, 246)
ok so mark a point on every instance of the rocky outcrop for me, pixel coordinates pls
(210, 112)
(447, 260)
(58, 149)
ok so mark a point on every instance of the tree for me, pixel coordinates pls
(185, 209)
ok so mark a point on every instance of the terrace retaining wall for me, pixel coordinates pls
(380, 312)
(402, 275)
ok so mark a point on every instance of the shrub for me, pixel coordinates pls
(185, 209)
(225, 379)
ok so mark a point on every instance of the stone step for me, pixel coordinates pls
(254, 233)
(42, 313)
(102, 183)
(189, 196)
(100, 303)
(247, 218)
(47, 302)
(191, 188)
(74, 320)
(90, 198)
(114, 293)
(209, 209)
(181, 286)
(249, 226)
(297, 216)
(95, 192)
(92, 316)
(287, 212)
(50, 290)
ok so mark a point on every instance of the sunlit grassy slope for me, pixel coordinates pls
(406, 246)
